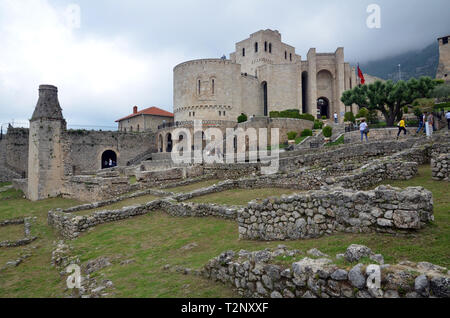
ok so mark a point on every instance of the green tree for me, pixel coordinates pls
(389, 97)
(442, 92)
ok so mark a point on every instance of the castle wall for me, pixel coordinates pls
(276, 52)
(84, 149)
(219, 90)
(15, 150)
(282, 89)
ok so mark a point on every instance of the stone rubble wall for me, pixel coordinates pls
(259, 275)
(317, 213)
(94, 188)
(232, 171)
(187, 181)
(27, 239)
(440, 162)
(70, 225)
(364, 151)
(378, 134)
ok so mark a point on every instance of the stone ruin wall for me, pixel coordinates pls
(378, 134)
(84, 148)
(440, 162)
(15, 152)
(317, 213)
(259, 275)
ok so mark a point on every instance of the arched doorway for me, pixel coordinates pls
(109, 159)
(264, 93)
(323, 108)
(169, 142)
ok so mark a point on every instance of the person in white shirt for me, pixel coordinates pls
(364, 129)
(429, 125)
(447, 115)
(335, 117)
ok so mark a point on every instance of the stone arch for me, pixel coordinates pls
(325, 88)
(108, 159)
(323, 107)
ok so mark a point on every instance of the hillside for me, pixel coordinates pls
(413, 64)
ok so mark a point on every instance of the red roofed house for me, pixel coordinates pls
(145, 120)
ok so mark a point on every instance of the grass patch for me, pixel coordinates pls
(155, 239)
(2, 184)
(12, 232)
(34, 277)
(193, 186)
(241, 196)
(132, 180)
(118, 205)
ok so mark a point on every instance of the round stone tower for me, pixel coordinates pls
(45, 164)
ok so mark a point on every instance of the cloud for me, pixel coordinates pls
(124, 52)
(42, 48)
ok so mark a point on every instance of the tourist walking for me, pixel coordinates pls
(422, 121)
(401, 127)
(429, 125)
(335, 117)
(447, 116)
(364, 129)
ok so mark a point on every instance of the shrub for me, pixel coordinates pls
(306, 133)
(324, 117)
(274, 114)
(318, 124)
(307, 117)
(292, 135)
(348, 116)
(327, 131)
(242, 118)
(363, 112)
(441, 106)
(405, 109)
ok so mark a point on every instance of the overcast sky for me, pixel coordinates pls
(122, 52)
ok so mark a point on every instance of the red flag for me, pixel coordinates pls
(361, 76)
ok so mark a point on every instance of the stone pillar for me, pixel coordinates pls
(312, 82)
(45, 158)
(340, 83)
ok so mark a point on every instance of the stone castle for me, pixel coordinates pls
(262, 75)
(443, 70)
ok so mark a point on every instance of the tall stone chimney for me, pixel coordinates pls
(135, 109)
(45, 164)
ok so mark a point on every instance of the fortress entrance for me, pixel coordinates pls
(323, 108)
(109, 159)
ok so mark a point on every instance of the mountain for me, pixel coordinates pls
(413, 64)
